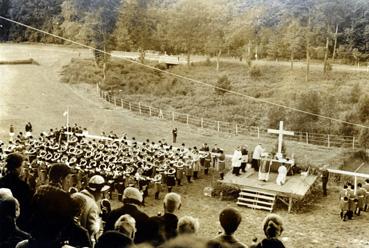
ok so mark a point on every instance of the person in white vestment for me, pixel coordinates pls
(282, 174)
(236, 161)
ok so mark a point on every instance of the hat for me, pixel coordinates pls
(132, 194)
(97, 184)
(58, 172)
(14, 161)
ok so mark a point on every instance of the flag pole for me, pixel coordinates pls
(67, 125)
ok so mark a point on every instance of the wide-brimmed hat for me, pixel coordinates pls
(97, 184)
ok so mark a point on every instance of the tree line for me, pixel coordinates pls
(327, 30)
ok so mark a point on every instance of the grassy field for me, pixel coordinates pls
(332, 95)
(34, 93)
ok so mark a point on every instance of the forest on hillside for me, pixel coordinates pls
(277, 29)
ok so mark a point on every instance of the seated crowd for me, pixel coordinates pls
(54, 190)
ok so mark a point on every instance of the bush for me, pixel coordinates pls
(223, 85)
(228, 192)
(255, 72)
(161, 66)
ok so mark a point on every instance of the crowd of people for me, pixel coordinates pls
(55, 191)
(353, 202)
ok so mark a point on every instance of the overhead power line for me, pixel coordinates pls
(189, 79)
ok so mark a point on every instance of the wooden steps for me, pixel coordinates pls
(256, 199)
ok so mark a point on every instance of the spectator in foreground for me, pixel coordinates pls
(113, 239)
(165, 226)
(10, 234)
(126, 225)
(132, 199)
(188, 225)
(230, 219)
(20, 189)
(273, 228)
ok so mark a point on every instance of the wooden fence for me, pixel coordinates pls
(327, 140)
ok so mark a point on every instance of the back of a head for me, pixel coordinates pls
(14, 161)
(172, 202)
(8, 207)
(273, 226)
(230, 219)
(58, 172)
(126, 224)
(188, 225)
(113, 239)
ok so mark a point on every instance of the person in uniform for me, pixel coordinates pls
(207, 163)
(215, 150)
(174, 133)
(344, 206)
(188, 170)
(360, 194)
(171, 179)
(179, 172)
(352, 201)
(221, 164)
(366, 187)
(157, 185)
(324, 176)
(11, 133)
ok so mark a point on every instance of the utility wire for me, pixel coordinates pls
(189, 79)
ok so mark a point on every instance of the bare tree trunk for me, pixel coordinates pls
(307, 50)
(218, 58)
(325, 70)
(189, 58)
(335, 43)
(292, 58)
(142, 56)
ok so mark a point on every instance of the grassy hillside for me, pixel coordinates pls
(335, 95)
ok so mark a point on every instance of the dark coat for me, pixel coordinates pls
(22, 192)
(163, 228)
(10, 234)
(76, 235)
(140, 217)
(270, 243)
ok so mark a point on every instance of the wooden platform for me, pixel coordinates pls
(295, 188)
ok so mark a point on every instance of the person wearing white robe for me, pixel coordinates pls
(282, 174)
(256, 156)
(236, 161)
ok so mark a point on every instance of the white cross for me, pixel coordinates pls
(280, 133)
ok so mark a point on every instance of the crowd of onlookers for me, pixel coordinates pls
(55, 216)
(45, 201)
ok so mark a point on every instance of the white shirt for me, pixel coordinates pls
(257, 152)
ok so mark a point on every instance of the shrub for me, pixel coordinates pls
(223, 84)
(226, 191)
(255, 72)
(161, 66)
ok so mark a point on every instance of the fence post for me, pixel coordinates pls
(202, 122)
(130, 106)
(236, 129)
(139, 107)
(329, 142)
(150, 110)
(172, 116)
(258, 133)
(353, 142)
(307, 138)
(218, 126)
(115, 101)
(122, 102)
(187, 117)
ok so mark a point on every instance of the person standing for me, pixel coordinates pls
(324, 176)
(174, 133)
(11, 133)
(20, 189)
(236, 161)
(216, 150)
(245, 158)
(221, 164)
(256, 156)
(28, 129)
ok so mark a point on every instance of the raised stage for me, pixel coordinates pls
(295, 188)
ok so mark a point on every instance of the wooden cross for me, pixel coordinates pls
(280, 133)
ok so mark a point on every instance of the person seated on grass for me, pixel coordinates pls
(273, 228)
(188, 225)
(230, 219)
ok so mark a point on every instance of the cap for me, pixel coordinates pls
(97, 184)
(133, 194)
